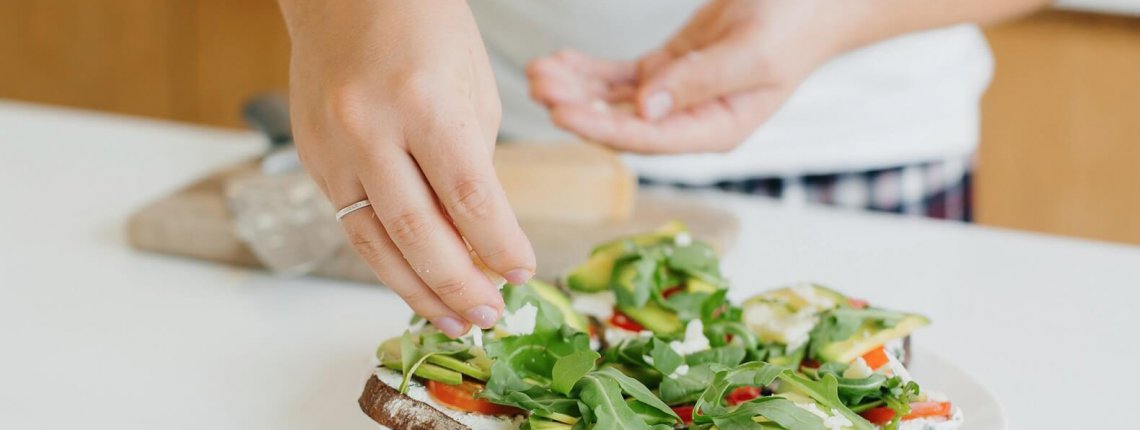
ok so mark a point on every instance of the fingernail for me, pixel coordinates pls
(483, 316)
(449, 326)
(658, 105)
(518, 276)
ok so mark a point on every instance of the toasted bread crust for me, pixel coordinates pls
(388, 407)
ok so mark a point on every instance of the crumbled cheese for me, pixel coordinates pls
(833, 421)
(896, 368)
(807, 292)
(858, 369)
(615, 336)
(682, 239)
(597, 305)
(476, 335)
(695, 340)
(793, 330)
(521, 321)
(681, 370)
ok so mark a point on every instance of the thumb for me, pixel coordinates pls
(696, 77)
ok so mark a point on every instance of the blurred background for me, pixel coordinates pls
(1060, 148)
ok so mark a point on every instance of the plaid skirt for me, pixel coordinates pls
(936, 190)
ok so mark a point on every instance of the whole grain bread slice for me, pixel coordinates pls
(388, 407)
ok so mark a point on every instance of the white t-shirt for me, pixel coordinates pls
(908, 100)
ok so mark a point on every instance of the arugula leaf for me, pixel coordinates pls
(687, 305)
(898, 397)
(636, 390)
(651, 415)
(549, 318)
(570, 368)
(603, 395)
(540, 401)
(840, 324)
(825, 392)
(697, 260)
(633, 280)
(719, 331)
(687, 388)
(727, 356)
(776, 409)
(711, 400)
(665, 359)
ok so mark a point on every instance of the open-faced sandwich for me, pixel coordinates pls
(644, 337)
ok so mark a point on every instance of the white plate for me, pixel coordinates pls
(981, 410)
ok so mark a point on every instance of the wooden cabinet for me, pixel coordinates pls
(1060, 148)
(187, 60)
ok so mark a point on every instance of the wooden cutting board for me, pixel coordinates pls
(195, 222)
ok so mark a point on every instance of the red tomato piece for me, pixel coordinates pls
(685, 412)
(742, 394)
(462, 397)
(883, 415)
(624, 322)
(857, 303)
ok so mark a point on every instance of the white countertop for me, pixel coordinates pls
(95, 335)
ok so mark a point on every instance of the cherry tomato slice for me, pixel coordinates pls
(883, 415)
(741, 395)
(671, 291)
(462, 397)
(685, 412)
(857, 303)
(624, 322)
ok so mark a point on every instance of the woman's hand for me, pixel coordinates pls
(729, 69)
(395, 102)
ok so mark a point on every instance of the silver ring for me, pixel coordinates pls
(352, 208)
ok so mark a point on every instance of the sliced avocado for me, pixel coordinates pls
(868, 338)
(466, 368)
(654, 318)
(802, 296)
(559, 417)
(542, 424)
(775, 321)
(620, 245)
(562, 302)
(389, 355)
(594, 274)
(695, 285)
(430, 372)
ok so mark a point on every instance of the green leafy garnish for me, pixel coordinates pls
(570, 368)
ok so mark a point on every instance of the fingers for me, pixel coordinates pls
(711, 127)
(370, 240)
(407, 209)
(461, 172)
(696, 77)
(572, 77)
